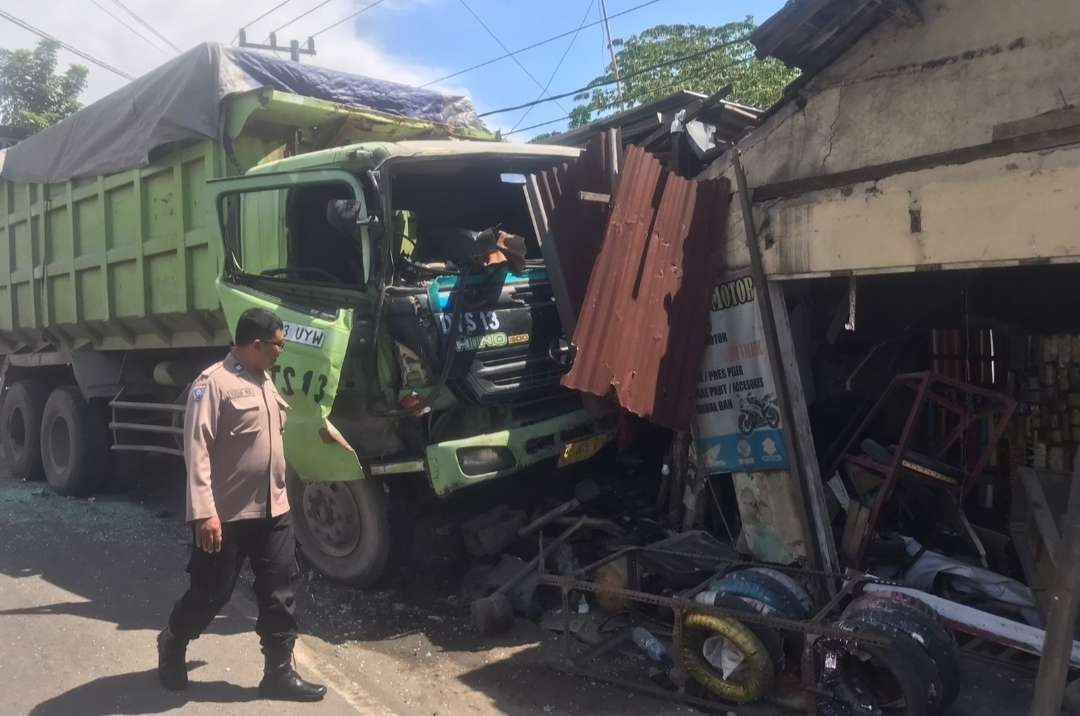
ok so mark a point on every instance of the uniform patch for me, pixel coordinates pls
(198, 393)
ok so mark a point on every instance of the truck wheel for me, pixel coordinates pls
(20, 423)
(74, 443)
(343, 527)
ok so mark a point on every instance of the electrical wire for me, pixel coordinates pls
(664, 90)
(74, 50)
(361, 11)
(120, 20)
(280, 5)
(636, 73)
(545, 41)
(301, 16)
(517, 62)
(557, 65)
(145, 24)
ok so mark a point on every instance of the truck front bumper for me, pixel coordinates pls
(571, 438)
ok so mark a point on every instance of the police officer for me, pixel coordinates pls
(238, 508)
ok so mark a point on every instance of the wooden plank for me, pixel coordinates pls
(1040, 512)
(809, 467)
(1045, 122)
(823, 554)
(1059, 648)
(594, 196)
(1035, 142)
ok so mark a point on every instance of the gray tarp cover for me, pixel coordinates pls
(182, 100)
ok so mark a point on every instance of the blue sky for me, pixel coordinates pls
(445, 30)
(410, 41)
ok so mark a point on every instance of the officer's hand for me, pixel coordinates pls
(208, 534)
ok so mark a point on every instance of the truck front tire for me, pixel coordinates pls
(73, 443)
(20, 428)
(343, 527)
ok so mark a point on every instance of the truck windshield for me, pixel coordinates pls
(311, 233)
(440, 206)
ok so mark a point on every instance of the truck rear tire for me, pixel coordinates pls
(74, 443)
(343, 527)
(20, 428)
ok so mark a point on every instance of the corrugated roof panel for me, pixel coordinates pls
(642, 328)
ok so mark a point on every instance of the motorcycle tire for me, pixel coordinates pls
(761, 673)
(930, 636)
(902, 663)
(772, 416)
(764, 589)
(746, 424)
(770, 638)
(894, 598)
(797, 590)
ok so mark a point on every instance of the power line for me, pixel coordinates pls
(658, 65)
(557, 65)
(280, 5)
(361, 11)
(145, 24)
(665, 89)
(517, 62)
(545, 41)
(120, 20)
(74, 50)
(302, 15)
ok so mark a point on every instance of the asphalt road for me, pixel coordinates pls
(84, 588)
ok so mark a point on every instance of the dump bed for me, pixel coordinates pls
(128, 259)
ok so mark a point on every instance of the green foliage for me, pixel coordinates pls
(755, 82)
(32, 95)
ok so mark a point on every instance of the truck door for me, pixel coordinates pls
(297, 244)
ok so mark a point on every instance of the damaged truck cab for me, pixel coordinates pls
(416, 343)
(381, 222)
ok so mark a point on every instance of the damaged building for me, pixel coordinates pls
(915, 204)
(905, 398)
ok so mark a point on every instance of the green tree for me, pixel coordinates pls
(32, 95)
(754, 81)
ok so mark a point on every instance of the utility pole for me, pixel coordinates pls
(611, 50)
(294, 48)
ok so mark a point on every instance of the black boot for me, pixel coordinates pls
(172, 660)
(281, 682)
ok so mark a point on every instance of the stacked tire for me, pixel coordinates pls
(918, 674)
(759, 590)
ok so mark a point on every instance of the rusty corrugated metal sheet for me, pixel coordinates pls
(576, 225)
(642, 328)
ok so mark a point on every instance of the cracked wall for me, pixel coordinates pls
(905, 92)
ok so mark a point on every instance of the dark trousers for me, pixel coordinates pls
(269, 545)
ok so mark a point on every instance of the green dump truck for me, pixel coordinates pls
(137, 231)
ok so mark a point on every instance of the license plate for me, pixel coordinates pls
(581, 450)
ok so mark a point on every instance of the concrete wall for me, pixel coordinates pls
(906, 92)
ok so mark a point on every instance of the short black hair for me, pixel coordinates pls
(256, 324)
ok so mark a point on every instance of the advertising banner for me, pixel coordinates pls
(737, 415)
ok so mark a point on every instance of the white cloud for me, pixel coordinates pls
(189, 22)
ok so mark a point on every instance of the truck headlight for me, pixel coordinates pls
(482, 460)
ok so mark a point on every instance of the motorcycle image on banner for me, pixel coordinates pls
(737, 418)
